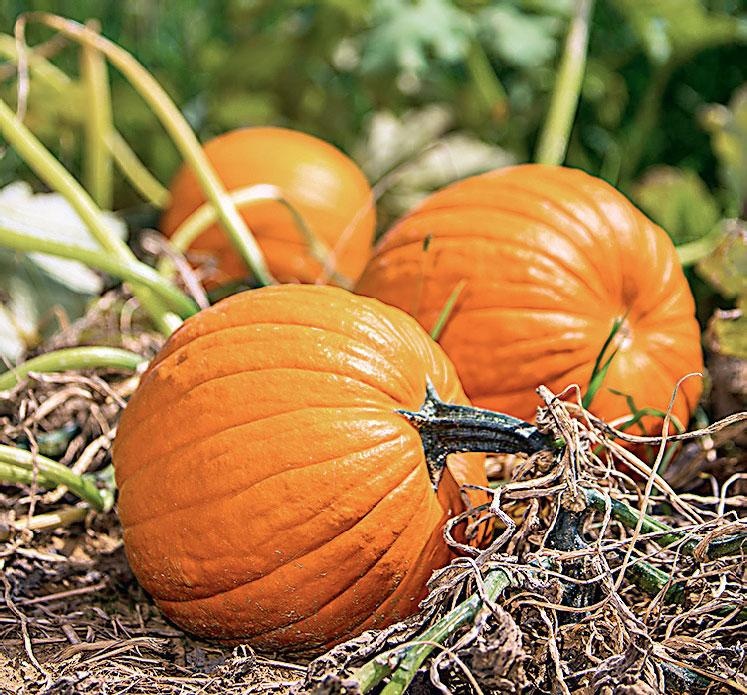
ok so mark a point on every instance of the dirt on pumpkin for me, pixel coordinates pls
(590, 603)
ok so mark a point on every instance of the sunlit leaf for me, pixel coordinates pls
(726, 267)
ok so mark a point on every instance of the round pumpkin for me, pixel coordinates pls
(269, 490)
(324, 186)
(550, 258)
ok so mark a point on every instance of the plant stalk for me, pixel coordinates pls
(553, 141)
(23, 467)
(179, 130)
(133, 271)
(97, 123)
(59, 179)
(72, 358)
(413, 655)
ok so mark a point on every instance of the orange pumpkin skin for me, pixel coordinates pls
(268, 490)
(551, 257)
(327, 188)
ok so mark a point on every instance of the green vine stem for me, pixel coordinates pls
(553, 141)
(133, 271)
(179, 130)
(629, 517)
(59, 179)
(62, 360)
(22, 467)
(206, 215)
(126, 160)
(48, 521)
(135, 171)
(413, 655)
(97, 122)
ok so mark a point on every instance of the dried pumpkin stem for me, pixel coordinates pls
(412, 655)
(449, 429)
(85, 357)
(48, 521)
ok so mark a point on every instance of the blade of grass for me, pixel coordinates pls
(177, 127)
(86, 357)
(599, 372)
(448, 308)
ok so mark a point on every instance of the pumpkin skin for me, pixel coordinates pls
(268, 490)
(327, 188)
(551, 257)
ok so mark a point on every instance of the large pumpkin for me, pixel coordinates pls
(268, 489)
(324, 186)
(552, 257)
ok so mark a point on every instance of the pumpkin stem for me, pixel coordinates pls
(449, 429)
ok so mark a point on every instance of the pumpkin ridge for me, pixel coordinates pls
(235, 493)
(544, 310)
(279, 322)
(308, 551)
(357, 580)
(192, 442)
(565, 212)
(517, 244)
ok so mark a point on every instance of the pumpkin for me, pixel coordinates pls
(549, 258)
(323, 185)
(273, 485)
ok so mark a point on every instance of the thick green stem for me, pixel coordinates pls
(372, 673)
(180, 132)
(449, 429)
(59, 179)
(97, 122)
(72, 358)
(629, 517)
(46, 522)
(23, 467)
(133, 271)
(553, 141)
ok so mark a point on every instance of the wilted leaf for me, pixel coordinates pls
(726, 267)
(407, 34)
(729, 329)
(678, 201)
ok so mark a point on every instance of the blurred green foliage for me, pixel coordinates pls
(421, 92)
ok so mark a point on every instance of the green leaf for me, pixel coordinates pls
(729, 328)
(728, 129)
(675, 29)
(678, 201)
(518, 38)
(407, 34)
(726, 267)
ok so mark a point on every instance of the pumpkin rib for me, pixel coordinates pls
(281, 323)
(228, 496)
(259, 370)
(518, 244)
(357, 580)
(306, 551)
(653, 357)
(192, 442)
(524, 214)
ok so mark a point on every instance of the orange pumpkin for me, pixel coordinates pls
(551, 258)
(269, 488)
(324, 186)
